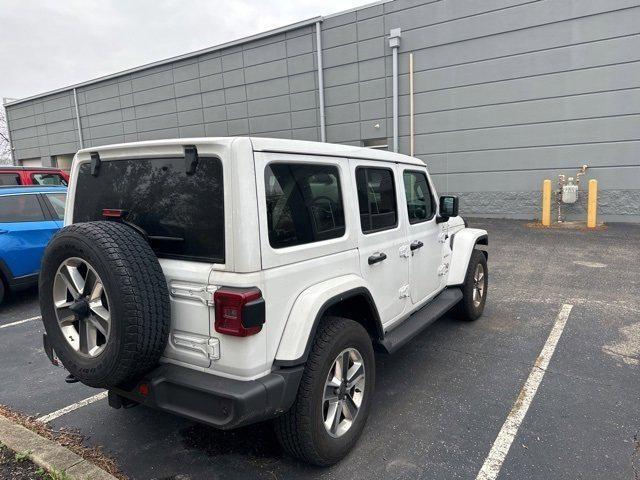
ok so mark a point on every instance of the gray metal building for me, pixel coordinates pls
(506, 94)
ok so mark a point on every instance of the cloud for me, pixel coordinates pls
(52, 44)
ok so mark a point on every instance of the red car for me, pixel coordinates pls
(33, 176)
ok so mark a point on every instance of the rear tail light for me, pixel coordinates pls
(239, 311)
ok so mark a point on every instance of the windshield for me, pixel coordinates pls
(183, 214)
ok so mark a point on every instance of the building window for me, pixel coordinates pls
(377, 143)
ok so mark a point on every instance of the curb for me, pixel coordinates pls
(48, 454)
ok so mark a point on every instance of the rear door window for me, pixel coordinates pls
(48, 179)
(20, 208)
(9, 179)
(183, 214)
(304, 203)
(376, 198)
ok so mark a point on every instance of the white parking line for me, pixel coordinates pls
(493, 463)
(20, 321)
(71, 408)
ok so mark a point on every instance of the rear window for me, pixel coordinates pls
(9, 179)
(182, 214)
(20, 208)
(57, 201)
(48, 179)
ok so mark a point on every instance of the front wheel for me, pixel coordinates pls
(474, 288)
(334, 396)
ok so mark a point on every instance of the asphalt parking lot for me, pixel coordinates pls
(441, 402)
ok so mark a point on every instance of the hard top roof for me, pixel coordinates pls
(281, 145)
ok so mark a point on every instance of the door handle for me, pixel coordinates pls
(416, 245)
(377, 257)
(3, 231)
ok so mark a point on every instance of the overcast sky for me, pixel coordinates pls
(48, 44)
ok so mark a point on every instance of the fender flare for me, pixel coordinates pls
(464, 242)
(312, 303)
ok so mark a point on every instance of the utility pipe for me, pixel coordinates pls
(411, 104)
(592, 203)
(394, 43)
(323, 130)
(546, 203)
(75, 101)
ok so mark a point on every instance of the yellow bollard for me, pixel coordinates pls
(592, 204)
(546, 203)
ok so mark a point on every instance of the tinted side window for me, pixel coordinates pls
(48, 179)
(9, 179)
(304, 203)
(20, 208)
(419, 199)
(57, 201)
(377, 199)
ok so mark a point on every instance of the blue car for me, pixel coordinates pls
(29, 216)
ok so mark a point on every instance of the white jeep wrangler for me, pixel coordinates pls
(234, 280)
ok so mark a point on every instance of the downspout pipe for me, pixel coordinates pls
(75, 101)
(394, 43)
(323, 129)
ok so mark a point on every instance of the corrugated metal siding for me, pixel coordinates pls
(507, 93)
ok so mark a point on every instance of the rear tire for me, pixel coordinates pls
(309, 431)
(474, 288)
(2, 289)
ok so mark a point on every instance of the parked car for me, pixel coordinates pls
(29, 217)
(33, 176)
(234, 280)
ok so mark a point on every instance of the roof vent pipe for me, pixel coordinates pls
(394, 43)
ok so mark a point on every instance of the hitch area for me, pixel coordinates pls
(116, 401)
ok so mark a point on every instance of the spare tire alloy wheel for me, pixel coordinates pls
(344, 392)
(82, 307)
(105, 303)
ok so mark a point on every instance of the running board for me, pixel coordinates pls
(421, 319)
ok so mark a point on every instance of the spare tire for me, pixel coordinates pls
(104, 302)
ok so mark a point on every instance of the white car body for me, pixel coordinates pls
(296, 282)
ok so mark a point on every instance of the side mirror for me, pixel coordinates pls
(448, 207)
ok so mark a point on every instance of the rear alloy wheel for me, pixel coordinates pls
(344, 392)
(334, 395)
(82, 307)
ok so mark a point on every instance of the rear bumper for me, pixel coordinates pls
(217, 401)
